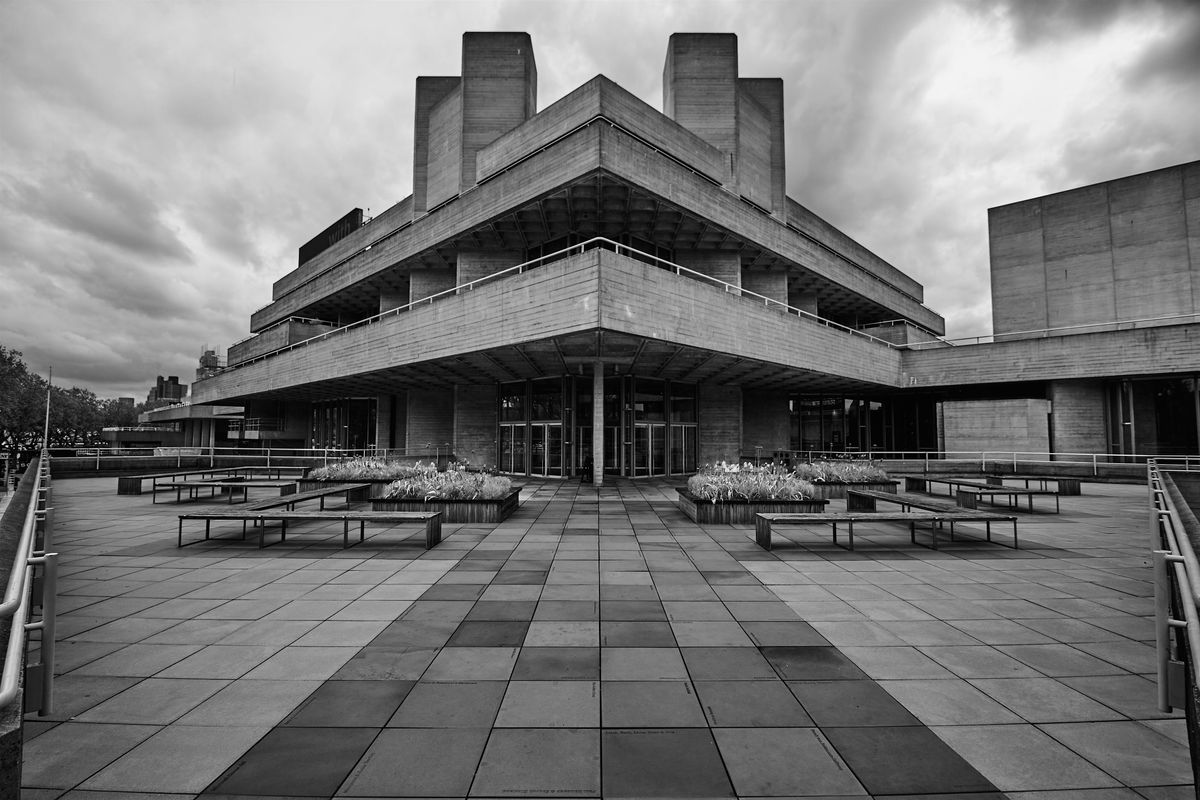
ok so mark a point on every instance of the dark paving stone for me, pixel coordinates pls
(415, 633)
(374, 663)
(350, 704)
(557, 664)
(520, 577)
(783, 634)
(306, 762)
(503, 609)
(489, 633)
(458, 704)
(662, 763)
(750, 704)
(568, 610)
(649, 704)
(812, 663)
(453, 591)
(529, 762)
(616, 633)
(850, 704)
(632, 610)
(418, 763)
(727, 664)
(905, 760)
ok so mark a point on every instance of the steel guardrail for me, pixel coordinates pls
(18, 597)
(1176, 583)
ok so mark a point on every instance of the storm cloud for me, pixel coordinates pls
(160, 163)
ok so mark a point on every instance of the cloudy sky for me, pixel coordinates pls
(160, 163)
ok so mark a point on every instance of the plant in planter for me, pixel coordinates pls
(831, 478)
(734, 493)
(369, 469)
(461, 495)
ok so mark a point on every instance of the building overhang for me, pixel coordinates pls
(559, 319)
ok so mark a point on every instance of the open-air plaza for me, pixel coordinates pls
(598, 643)
(609, 456)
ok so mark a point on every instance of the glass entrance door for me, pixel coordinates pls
(545, 449)
(649, 449)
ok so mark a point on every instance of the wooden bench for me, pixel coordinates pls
(132, 484)
(764, 522)
(228, 485)
(432, 520)
(868, 500)
(288, 501)
(967, 492)
(1066, 487)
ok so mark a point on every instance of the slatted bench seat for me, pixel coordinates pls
(868, 500)
(232, 486)
(132, 484)
(764, 522)
(1066, 487)
(432, 520)
(967, 492)
(289, 501)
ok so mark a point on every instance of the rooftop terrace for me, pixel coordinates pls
(598, 643)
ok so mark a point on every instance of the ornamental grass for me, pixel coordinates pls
(840, 472)
(370, 469)
(723, 482)
(456, 483)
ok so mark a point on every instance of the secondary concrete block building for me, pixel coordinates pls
(604, 288)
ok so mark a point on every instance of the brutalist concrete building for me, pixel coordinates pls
(604, 288)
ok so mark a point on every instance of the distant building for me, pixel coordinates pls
(169, 389)
(601, 286)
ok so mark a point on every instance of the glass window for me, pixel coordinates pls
(546, 400)
(649, 402)
(512, 402)
(683, 402)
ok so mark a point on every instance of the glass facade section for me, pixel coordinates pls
(1154, 417)
(840, 424)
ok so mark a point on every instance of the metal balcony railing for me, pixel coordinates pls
(25, 590)
(1176, 592)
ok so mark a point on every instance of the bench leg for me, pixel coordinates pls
(850, 532)
(345, 532)
(433, 532)
(762, 533)
(362, 531)
(180, 533)
(1016, 546)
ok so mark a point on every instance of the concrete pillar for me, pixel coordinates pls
(426, 282)
(805, 301)
(389, 301)
(430, 92)
(700, 87)
(597, 423)
(770, 283)
(720, 264)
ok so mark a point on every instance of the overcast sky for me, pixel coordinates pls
(160, 163)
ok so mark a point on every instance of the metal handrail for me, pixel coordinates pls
(18, 598)
(1044, 333)
(1174, 558)
(575, 249)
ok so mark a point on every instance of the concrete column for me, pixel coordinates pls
(597, 423)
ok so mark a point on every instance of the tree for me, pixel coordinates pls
(22, 403)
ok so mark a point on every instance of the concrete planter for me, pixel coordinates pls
(837, 491)
(458, 510)
(741, 512)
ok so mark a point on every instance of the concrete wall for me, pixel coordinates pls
(998, 425)
(430, 420)
(499, 83)
(430, 91)
(700, 86)
(426, 282)
(443, 180)
(1077, 413)
(720, 415)
(769, 283)
(720, 264)
(473, 265)
(1121, 250)
(768, 94)
(766, 423)
(475, 421)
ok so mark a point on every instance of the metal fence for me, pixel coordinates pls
(32, 583)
